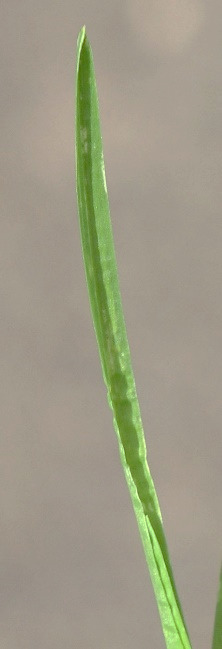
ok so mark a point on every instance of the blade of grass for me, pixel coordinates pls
(217, 633)
(109, 324)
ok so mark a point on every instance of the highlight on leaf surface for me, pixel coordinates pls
(105, 300)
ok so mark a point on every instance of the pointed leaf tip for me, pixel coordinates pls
(81, 37)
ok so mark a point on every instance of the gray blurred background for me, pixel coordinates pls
(73, 573)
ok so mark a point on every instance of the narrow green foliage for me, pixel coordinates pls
(105, 300)
(217, 634)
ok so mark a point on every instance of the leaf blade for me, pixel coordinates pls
(217, 632)
(104, 293)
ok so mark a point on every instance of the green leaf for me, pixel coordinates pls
(108, 319)
(217, 634)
